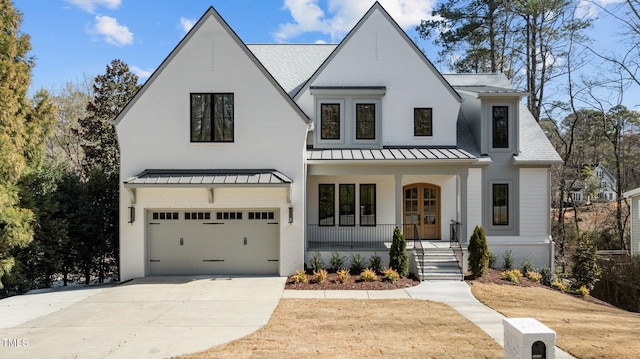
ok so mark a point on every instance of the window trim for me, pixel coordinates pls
(415, 112)
(213, 117)
(333, 204)
(374, 205)
(353, 200)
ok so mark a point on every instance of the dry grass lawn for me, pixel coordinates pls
(584, 329)
(332, 328)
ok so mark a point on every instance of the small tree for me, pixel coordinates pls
(398, 259)
(478, 253)
(585, 271)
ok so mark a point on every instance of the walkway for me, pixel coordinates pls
(456, 294)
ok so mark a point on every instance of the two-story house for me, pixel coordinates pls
(598, 185)
(241, 158)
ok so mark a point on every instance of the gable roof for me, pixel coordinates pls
(377, 7)
(211, 12)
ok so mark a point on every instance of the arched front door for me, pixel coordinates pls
(421, 211)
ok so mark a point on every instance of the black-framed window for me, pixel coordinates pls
(327, 201)
(423, 122)
(500, 204)
(367, 204)
(500, 118)
(212, 117)
(347, 204)
(365, 121)
(330, 121)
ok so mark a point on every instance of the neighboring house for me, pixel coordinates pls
(247, 159)
(634, 214)
(599, 185)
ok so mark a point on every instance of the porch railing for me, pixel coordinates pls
(455, 245)
(349, 237)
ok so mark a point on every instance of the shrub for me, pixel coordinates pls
(534, 276)
(375, 263)
(398, 259)
(343, 275)
(583, 291)
(357, 263)
(478, 253)
(368, 275)
(336, 262)
(300, 277)
(321, 275)
(508, 260)
(316, 262)
(493, 260)
(547, 276)
(528, 265)
(512, 275)
(557, 284)
(585, 270)
(390, 274)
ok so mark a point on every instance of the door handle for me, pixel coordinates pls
(182, 241)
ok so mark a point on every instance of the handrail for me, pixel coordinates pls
(454, 244)
(417, 245)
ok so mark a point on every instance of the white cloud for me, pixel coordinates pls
(342, 15)
(91, 5)
(186, 24)
(112, 32)
(141, 73)
(591, 8)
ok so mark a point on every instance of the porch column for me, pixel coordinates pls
(463, 207)
(398, 200)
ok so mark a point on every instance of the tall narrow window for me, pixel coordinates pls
(330, 121)
(422, 122)
(347, 195)
(212, 117)
(365, 121)
(327, 200)
(500, 127)
(500, 204)
(367, 204)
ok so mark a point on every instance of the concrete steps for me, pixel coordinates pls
(437, 263)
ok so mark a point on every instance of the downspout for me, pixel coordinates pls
(552, 247)
(310, 128)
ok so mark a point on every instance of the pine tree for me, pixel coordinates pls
(398, 259)
(23, 126)
(478, 253)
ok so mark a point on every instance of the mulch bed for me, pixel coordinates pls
(353, 283)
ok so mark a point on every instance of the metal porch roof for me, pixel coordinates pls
(208, 178)
(387, 154)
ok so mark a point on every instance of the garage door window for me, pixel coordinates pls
(165, 215)
(229, 215)
(197, 215)
(262, 215)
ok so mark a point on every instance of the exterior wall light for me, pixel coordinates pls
(290, 214)
(132, 214)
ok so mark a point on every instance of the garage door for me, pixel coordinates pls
(213, 242)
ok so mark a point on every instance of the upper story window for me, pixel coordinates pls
(330, 121)
(500, 125)
(365, 121)
(423, 122)
(212, 117)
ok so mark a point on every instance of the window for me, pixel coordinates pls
(347, 194)
(165, 215)
(365, 121)
(228, 215)
(330, 121)
(500, 204)
(212, 117)
(500, 127)
(422, 122)
(197, 215)
(367, 204)
(262, 215)
(327, 200)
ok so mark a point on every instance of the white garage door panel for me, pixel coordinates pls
(213, 246)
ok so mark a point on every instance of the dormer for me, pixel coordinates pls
(493, 117)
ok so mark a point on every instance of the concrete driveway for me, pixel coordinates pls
(151, 317)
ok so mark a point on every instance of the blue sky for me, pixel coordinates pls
(76, 39)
